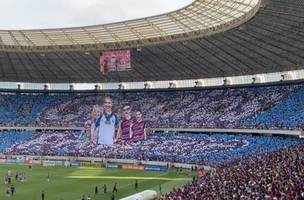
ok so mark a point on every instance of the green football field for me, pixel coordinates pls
(72, 183)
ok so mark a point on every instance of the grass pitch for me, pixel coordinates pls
(72, 183)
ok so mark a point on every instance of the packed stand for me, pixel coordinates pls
(213, 150)
(277, 175)
(286, 115)
(221, 108)
(8, 139)
(251, 107)
(23, 109)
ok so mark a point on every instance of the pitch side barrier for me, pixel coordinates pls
(297, 133)
(96, 162)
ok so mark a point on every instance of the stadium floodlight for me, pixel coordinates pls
(97, 87)
(256, 79)
(172, 85)
(121, 86)
(227, 81)
(147, 86)
(287, 77)
(19, 86)
(46, 87)
(198, 83)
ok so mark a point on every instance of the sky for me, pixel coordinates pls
(38, 14)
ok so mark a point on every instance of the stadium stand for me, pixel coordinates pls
(277, 175)
(208, 39)
(215, 150)
(287, 114)
(11, 138)
(18, 110)
(249, 107)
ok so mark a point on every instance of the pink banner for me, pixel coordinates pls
(114, 61)
(133, 167)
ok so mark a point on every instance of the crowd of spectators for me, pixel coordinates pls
(250, 107)
(213, 150)
(247, 167)
(9, 139)
(286, 115)
(221, 108)
(23, 109)
(276, 175)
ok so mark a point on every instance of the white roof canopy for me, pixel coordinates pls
(201, 18)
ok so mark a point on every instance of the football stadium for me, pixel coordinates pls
(203, 102)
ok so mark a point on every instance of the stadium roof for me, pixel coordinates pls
(271, 41)
(202, 17)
